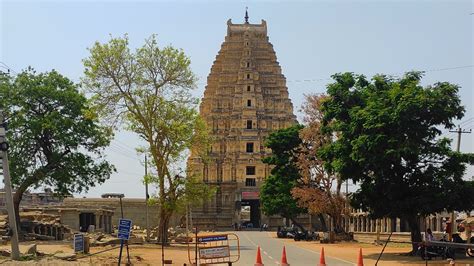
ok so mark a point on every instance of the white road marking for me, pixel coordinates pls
(261, 249)
(326, 256)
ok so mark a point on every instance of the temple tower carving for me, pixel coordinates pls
(245, 99)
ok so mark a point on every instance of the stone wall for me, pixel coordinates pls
(133, 209)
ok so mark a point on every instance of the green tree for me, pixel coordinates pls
(148, 92)
(55, 138)
(388, 140)
(275, 193)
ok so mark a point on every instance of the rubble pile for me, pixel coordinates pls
(37, 225)
(175, 234)
(101, 239)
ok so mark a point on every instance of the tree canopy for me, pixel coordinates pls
(55, 137)
(148, 91)
(318, 190)
(389, 141)
(275, 193)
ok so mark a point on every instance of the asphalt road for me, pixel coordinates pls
(271, 250)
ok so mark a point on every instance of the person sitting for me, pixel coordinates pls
(429, 235)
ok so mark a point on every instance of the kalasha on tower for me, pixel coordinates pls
(245, 99)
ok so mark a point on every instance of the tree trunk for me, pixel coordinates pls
(165, 217)
(338, 224)
(18, 195)
(414, 224)
(293, 220)
(324, 226)
(16, 205)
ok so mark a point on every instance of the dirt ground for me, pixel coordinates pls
(150, 254)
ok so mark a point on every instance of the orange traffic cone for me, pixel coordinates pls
(360, 261)
(322, 260)
(259, 258)
(283, 258)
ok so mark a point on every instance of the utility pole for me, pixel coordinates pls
(459, 131)
(8, 190)
(146, 200)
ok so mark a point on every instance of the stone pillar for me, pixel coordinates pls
(60, 233)
(398, 225)
(378, 224)
(106, 223)
(110, 224)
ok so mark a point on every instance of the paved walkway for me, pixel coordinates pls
(271, 249)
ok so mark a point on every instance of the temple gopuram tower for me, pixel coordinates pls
(245, 99)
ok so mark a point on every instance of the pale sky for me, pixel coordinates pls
(312, 40)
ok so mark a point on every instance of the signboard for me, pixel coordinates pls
(214, 252)
(124, 228)
(78, 243)
(250, 195)
(212, 238)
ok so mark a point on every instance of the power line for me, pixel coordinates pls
(5, 66)
(129, 173)
(123, 148)
(448, 68)
(125, 145)
(124, 154)
(328, 79)
(468, 124)
(465, 121)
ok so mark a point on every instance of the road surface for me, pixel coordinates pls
(271, 249)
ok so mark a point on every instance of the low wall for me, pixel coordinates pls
(371, 237)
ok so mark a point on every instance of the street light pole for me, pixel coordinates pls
(8, 191)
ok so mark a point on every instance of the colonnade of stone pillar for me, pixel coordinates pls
(48, 230)
(365, 224)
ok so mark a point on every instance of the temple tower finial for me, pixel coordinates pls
(246, 15)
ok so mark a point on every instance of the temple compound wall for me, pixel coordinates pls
(245, 99)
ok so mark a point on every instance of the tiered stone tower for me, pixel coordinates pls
(245, 99)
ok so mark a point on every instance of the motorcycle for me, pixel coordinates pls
(457, 239)
(428, 252)
(308, 236)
